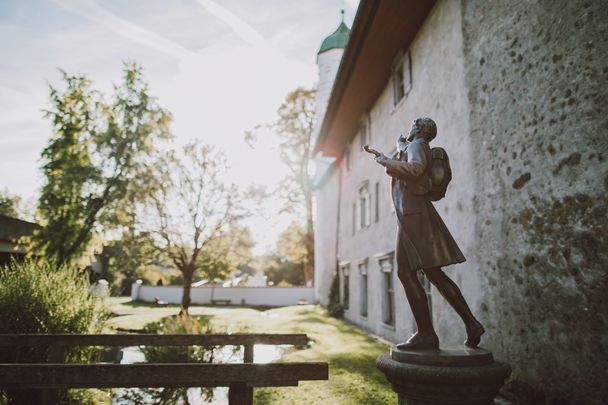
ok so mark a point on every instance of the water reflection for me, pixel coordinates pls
(226, 354)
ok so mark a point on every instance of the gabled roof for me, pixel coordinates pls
(381, 28)
(12, 229)
(338, 39)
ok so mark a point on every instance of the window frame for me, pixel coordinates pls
(365, 137)
(364, 288)
(388, 288)
(345, 290)
(377, 198)
(401, 76)
(363, 207)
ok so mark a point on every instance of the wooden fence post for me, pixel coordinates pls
(240, 393)
(51, 396)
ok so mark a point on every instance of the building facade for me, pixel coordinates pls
(11, 230)
(516, 90)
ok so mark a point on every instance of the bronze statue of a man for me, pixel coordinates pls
(424, 242)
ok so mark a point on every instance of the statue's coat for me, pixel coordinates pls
(423, 237)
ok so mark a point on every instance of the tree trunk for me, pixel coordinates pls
(188, 273)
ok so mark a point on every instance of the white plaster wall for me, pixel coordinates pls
(328, 63)
(438, 91)
(274, 296)
(326, 221)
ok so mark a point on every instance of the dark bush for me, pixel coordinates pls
(39, 297)
(336, 309)
(178, 324)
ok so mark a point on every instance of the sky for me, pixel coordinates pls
(220, 67)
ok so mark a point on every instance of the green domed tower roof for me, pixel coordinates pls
(338, 39)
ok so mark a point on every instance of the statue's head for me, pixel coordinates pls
(424, 128)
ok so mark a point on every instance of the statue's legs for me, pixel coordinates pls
(450, 291)
(425, 337)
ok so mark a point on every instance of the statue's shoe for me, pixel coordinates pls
(420, 342)
(474, 332)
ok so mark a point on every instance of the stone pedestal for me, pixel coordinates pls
(457, 375)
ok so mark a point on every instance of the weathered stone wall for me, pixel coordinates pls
(537, 74)
(517, 89)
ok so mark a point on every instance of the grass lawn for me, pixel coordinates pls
(351, 354)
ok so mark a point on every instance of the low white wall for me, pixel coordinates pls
(275, 296)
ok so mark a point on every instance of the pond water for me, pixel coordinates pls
(226, 354)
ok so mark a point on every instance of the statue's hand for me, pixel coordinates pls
(381, 159)
(401, 144)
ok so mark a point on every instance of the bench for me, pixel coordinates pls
(221, 302)
(240, 378)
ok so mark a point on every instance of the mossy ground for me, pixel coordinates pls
(351, 354)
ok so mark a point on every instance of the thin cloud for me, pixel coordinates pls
(92, 11)
(240, 27)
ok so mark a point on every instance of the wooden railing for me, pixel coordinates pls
(241, 378)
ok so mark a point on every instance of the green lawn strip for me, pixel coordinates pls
(134, 316)
(351, 354)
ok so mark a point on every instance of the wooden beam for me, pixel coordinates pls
(33, 340)
(40, 376)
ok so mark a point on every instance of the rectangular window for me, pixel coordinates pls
(398, 87)
(364, 131)
(377, 198)
(401, 76)
(363, 274)
(354, 217)
(388, 301)
(364, 206)
(345, 287)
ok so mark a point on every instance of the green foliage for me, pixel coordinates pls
(128, 259)
(222, 255)
(351, 353)
(97, 161)
(179, 324)
(40, 297)
(286, 265)
(9, 204)
(37, 296)
(335, 307)
(295, 127)
(196, 214)
(281, 271)
(88, 397)
(291, 244)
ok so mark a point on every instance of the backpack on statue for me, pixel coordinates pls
(441, 173)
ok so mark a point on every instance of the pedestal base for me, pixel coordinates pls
(444, 377)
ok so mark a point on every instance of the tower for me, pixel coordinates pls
(325, 179)
(328, 62)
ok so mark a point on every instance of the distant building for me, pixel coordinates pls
(11, 229)
(517, 91)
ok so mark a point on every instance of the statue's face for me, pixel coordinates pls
(415, 131)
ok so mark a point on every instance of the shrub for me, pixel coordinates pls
(335, 308)
(178, 324)
(37, 296)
